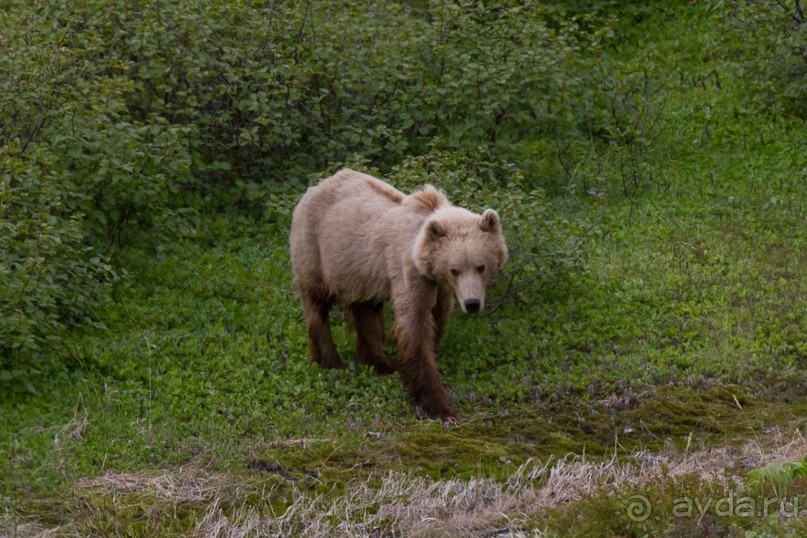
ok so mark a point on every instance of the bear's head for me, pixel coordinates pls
(462, 251)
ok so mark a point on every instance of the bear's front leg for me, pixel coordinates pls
(414, 332)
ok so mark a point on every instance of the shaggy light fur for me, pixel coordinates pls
(357, 240)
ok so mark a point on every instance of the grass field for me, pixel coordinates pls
(666, 368)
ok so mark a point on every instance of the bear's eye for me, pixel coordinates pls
(480, 269)
(455, 273)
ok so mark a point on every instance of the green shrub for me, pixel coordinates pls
(49, 277)
(769, 42)
(270, 91)
(623, 114)
(78, 174)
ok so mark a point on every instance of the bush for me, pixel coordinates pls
(769, 41)
(78, 175)
(269, 91)
(49, 277)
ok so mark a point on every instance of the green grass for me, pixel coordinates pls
(685, 329)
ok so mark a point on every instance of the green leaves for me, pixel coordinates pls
(79, 174)
(380, 80)
(769, 41)
(778, 476)
(49, 277)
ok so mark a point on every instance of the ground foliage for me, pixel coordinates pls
(647, 161)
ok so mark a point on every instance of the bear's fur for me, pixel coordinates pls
(357, 240)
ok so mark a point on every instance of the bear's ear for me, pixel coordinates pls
(490, 221)
(435, 229)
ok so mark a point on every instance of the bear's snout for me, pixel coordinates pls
(472, 306)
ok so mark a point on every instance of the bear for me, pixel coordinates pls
(358, 241)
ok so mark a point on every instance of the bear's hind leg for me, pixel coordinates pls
(368, 319)
(321, 348)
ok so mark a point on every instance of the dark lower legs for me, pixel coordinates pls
(321, 348)
(415, 339)
(416, 334)
(368, 319)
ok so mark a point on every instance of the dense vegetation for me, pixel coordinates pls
(649, 162)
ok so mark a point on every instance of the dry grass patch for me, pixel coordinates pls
(403, 504)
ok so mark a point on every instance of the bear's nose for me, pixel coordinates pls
(472, 306)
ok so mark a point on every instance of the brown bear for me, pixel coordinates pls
(359, 241)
